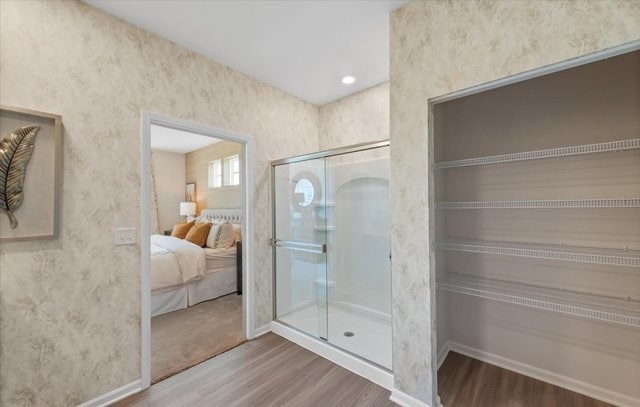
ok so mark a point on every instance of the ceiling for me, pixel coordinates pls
(301, 47)
(177, 141)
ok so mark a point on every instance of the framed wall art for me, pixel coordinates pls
(30, 174)
(190, 192)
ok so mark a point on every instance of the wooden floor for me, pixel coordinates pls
(268, 371)
(271, 371)
(463, 381)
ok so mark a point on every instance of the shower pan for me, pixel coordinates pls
(331, 248)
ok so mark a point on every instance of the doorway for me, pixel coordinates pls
(197, 291)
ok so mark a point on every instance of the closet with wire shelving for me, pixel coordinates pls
(537, 227)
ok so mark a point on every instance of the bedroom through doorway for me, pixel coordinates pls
(196, 266)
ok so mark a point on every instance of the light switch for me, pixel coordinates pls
(124, 236)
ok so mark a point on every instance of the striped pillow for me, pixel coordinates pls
(221, 236)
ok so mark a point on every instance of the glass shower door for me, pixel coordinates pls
(358, 255)
(299, 246)
(331, 248)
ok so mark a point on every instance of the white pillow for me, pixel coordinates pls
(221, 236)
(202, 219)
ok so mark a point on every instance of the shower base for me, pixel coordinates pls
(371, 339)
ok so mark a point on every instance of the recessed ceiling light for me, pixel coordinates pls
(348, 80)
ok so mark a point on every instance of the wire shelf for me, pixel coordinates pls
(610, 146)
(601, 308)
(544, 204)
(615, 257)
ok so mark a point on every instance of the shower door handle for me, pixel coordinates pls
(301, 246)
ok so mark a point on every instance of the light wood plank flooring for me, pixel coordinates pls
(271, 371)
(268, 371)
(463, 381)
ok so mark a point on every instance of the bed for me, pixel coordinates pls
(184, 274)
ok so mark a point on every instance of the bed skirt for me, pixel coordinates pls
(212, 286)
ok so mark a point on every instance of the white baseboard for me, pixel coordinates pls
(378, 375)
(442, 355)
(261, 330)
(590, 390)
(114, 395)
(404, 400)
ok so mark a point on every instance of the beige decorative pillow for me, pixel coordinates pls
(198, 234)
(181, 229)
(221, 236)
(238, 230)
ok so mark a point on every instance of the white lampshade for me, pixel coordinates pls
(187, 208)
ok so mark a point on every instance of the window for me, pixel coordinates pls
(232, 170)
(229, 175)
(215, 174)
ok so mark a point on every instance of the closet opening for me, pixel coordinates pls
(536, 237)
(196, 263)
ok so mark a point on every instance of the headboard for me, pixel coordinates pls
(232, 215)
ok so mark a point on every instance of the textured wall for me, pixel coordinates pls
(197, 169)
(70, 308)
(438, 48)
(168, 175)
(358, 118)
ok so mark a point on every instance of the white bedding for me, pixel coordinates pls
(220, 259)
(175, 261)
(184, 274)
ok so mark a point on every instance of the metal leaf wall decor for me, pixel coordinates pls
(15, 153)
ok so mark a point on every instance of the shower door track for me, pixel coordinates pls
(332, 152)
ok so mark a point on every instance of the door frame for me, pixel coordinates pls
(248, 224)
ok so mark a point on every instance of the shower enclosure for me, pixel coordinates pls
(332, 266)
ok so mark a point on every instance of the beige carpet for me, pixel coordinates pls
(184, 338)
